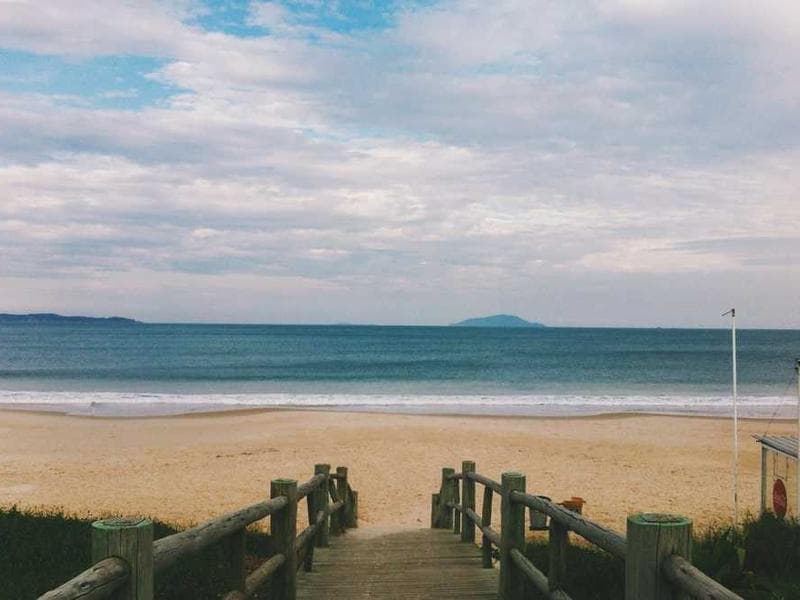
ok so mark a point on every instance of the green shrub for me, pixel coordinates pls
(41, 550)
(593, 574)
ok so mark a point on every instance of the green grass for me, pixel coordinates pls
(760, 561)
(41, 550)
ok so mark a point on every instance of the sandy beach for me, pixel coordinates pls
(189, 468)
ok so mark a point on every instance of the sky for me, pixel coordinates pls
(597, 162)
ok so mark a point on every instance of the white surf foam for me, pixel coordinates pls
(147, 404)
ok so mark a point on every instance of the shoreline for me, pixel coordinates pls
(229, 410)
(189, 468)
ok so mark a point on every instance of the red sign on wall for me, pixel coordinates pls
(779, 499)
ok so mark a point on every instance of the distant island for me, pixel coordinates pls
(54, 319)
(497, 321)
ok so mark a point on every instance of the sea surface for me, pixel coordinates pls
(106, 369)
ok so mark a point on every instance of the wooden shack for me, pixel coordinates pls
(779, 483)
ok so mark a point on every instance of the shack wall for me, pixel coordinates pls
(779, 469)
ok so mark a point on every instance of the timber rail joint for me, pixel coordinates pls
(656, 549)
(126, 559)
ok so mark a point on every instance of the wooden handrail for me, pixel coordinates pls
(100, 580)
(170, 549)
(114, 574)
(689, 579)
(491, 534)
(608, 540)
(309, 486)
(257, 578)
(490, 483)
(536, 577)
(307, 535)
(654, 550)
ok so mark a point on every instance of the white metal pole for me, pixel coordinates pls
(735, 424)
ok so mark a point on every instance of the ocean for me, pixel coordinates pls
(145, 369)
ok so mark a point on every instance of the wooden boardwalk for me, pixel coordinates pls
(423, 564)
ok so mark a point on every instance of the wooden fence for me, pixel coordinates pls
(126, 559)
(657, 550)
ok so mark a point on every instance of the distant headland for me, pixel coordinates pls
(498, 321)
(54, 319)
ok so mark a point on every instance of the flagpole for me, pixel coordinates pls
(732, 313)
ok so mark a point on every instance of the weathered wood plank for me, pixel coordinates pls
(427, 564)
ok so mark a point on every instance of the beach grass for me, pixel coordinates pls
(40, 550)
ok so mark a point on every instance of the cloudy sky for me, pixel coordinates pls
(604, 162)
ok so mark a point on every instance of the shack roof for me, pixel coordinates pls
(784, 444)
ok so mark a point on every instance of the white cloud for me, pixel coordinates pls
(470, 150)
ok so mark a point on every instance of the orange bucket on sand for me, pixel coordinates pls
(575, 504)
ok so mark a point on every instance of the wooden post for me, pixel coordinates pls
(651, 538)
(456, 495)
(557, 550)
(132, 541)
(446, 514)
(467, 501)
(353, 509)
(344, 495)
(235, 550)
(512, 535)
(764, 479)
(284, 532)
(336, 518)
(321, 503)
(486, 519)
(434, 511)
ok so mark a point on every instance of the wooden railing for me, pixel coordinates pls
(656, 550)
(126, 559)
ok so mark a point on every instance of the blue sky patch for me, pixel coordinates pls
(120, 82)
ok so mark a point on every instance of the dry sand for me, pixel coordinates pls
(190, 468)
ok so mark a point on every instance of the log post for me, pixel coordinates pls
(456, 496)
(344, 495)
(557, 550)
(434, 511)
(486, 519)
(353, 509)
(321, 503)
(336, 518)
(467, 501)
(512, 536)
(235, 550)
(651, 538)
(284, 532)
(132, 541)
(445, 513)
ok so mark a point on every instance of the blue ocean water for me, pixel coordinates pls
(135, 369)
